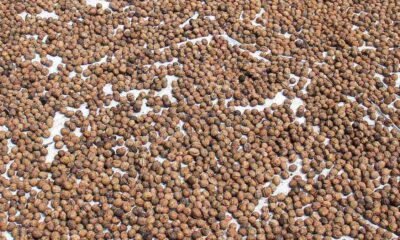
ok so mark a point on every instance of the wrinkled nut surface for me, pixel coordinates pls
(199, 119)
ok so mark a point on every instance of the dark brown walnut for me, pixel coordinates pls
(199, 119)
